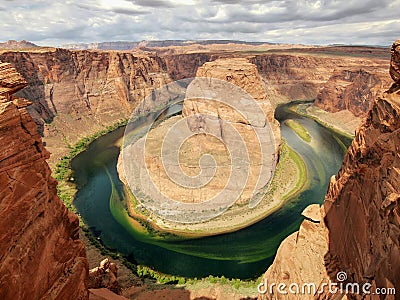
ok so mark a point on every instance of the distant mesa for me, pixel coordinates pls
(126, 45)
(12, 44)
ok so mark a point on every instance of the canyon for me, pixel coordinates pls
(78, 93)
(73, 94)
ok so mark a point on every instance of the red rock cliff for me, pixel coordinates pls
(77, 93)
(362, 205)
(357, 230)
(41, 256)
(354, 90)
(336, 82)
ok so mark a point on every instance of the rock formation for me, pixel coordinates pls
(359, 225)
(301, 77)
(226, 119)
(300, 257)
(395, 62)
(11, 44)
(362, 205)
(78, 93)
(243, 74)
(105, 276)
(41, 256)
(349, 90)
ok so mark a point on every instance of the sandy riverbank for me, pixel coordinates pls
(343, 121)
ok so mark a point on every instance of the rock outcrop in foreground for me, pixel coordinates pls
(105, 276)
(357, 229)
(41, 256)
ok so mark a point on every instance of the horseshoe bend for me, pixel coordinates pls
(234, 129)
(296, 145)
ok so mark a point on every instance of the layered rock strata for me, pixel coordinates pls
(395, 62)
(357, 229)
(41, 256)
(243, 74)
(302, 77)
(362, 206)
(77, 93)
(352, 90)
(208, 115)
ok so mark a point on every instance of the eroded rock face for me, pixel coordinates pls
(349, 90)
(105, 276)
(301, 77)
(208, 115)
(243, 74)
(360, 229)
(395, 62)
(41, 256)
(300, 258)
(363, 201)
(78, 93)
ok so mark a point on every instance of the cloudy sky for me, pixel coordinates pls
(49, 22)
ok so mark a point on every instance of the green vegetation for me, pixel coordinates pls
(301, 167)
(301, 109)
(299, 130)
(147, 272)
(66, 189)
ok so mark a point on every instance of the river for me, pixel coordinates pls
(246, 253)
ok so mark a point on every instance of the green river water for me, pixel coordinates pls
(246, 253)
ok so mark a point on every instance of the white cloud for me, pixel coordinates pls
(290, 21)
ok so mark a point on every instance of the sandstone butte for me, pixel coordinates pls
(243, 74)
(356, 230)
(41, 256)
